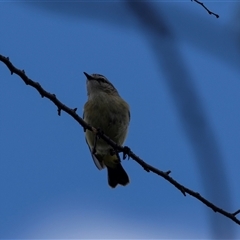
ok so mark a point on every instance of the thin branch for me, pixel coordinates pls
(236, 213)
(210, 12)
(125, 150)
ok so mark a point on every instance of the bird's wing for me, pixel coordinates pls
(99, 164)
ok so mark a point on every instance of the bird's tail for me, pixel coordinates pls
(117, 175)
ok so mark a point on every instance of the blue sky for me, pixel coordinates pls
(50, 187)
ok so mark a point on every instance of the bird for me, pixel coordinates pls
(107, 111)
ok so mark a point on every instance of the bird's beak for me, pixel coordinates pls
(89, 77)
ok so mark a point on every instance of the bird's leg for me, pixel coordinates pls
(126, 151)
(114, 152)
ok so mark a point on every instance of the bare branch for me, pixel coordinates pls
(236, 213)
(125, 150)
(210, 12)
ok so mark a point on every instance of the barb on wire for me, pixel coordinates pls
(125, 150)
(210, 12)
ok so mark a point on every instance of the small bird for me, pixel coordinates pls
(107, 111)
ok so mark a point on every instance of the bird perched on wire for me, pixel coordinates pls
(107, 111)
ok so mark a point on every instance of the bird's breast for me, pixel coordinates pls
(109, 115)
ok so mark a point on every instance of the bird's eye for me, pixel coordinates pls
(101, 79)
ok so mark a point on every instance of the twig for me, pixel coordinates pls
(210, 12)
(236, 213)
(126, 150)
